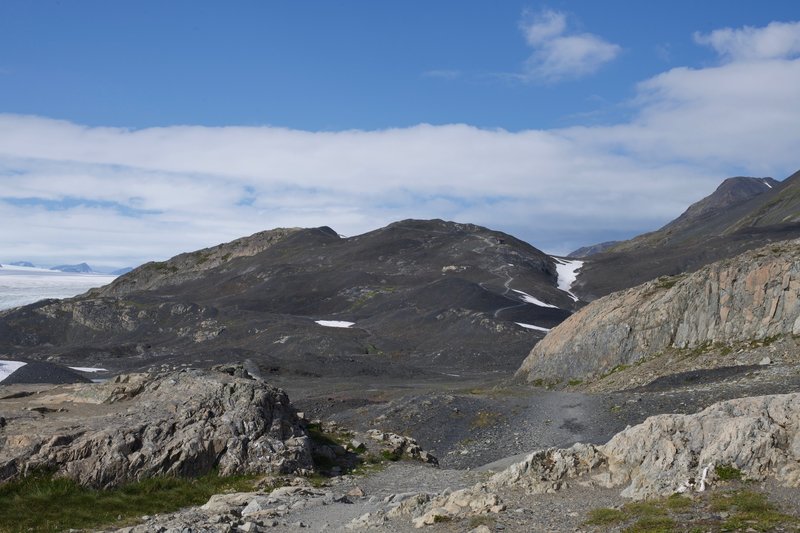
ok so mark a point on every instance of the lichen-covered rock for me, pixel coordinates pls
(757, 436)
(141, 425)
(753, 296)
(400, 445)
(548, 470)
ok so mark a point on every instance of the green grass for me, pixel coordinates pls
(645, 517)
(743, 510)
(750, 510)
(678, 502)
(727, 472)
(43, 503)
(605, 516)
(389, 455)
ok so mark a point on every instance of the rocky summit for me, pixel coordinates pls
(412, 298)
(742, 214)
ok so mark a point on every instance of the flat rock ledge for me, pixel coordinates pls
(186, 423)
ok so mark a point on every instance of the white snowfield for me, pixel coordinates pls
(9, 367)
(334, 323)
(88, 369)
(531, 326)
(531, 300)
(25, 285)
(567, 271)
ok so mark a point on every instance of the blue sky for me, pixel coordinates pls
(132, 131)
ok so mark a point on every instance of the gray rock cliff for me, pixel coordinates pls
(755, 295)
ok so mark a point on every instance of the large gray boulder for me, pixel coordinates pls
(753, 296)
(141, 425)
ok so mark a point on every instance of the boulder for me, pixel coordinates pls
(135, 426)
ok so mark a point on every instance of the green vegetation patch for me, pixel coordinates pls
(163, 267)
(318, 434)
(748, 509)
(667, 282)
(640, 517)
(729, 510)
(728, 472)
(43, 503)
(390, 455)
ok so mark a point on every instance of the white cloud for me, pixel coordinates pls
(560, 55)
(545, 26)
(126, 196)
(777, 40)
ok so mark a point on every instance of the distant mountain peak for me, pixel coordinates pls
(81, 268)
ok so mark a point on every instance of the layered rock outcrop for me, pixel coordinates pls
(758, 436)
(753, 296)
(141, 425)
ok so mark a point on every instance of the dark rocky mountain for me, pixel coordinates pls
(420, 294)
(586, 251)
(23, 264)
(742, 214)
(81, 268)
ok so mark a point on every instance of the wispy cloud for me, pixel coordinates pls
(560, 54)
(778, 40)
(119, 196)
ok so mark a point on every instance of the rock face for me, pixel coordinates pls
(758, 436)
(753, 296)
(141, 425)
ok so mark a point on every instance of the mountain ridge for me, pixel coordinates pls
(741, 214)
(429, 294)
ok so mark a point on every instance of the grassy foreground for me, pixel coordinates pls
(740, 509)
(43, 503)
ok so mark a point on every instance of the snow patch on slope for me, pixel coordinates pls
(531, 300)
(567, 271)
(334, 323)
(531, 326)
(9, 367)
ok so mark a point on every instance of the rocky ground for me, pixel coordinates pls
(576, 489)
(475, 426)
